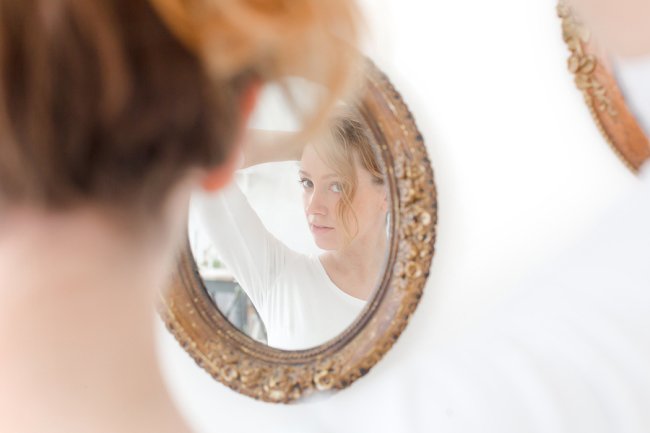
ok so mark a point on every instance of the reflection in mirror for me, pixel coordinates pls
(293, 250)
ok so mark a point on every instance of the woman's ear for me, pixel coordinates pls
(219, 176)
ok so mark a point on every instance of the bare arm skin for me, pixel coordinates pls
(263, 146)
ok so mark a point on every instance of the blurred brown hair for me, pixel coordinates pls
(112, 102)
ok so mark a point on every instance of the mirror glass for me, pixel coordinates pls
(295, 247)
(631, 77)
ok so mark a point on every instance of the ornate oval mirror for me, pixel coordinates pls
(596, 77)
(300, 275)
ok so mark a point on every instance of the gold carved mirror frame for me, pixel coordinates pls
(276, 375)
(595, 79)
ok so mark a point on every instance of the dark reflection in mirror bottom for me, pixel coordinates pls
(235, 305)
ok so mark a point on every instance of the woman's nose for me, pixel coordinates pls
(316, 205)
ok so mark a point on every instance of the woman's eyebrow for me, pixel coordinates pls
(327, 176)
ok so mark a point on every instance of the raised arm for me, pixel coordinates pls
(263, 146)
(243, 244)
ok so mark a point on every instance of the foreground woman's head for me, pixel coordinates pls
(114, 103)
(344, 195)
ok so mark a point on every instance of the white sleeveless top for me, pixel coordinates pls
(295, 298)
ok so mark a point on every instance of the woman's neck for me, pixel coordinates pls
(76, 339)
(356, 269)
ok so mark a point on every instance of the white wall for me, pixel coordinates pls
(520, 169)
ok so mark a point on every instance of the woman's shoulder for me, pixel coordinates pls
(300, 266)
(298, 260)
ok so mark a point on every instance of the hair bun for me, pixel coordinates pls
(274, 37)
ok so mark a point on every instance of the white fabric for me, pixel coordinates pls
(298, 303)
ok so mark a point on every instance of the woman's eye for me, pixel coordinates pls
(336, 187)
(306, 183)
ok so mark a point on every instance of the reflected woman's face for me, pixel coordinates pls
(322, 193)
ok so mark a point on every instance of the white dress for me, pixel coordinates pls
(298, 303)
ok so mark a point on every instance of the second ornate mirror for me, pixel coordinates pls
(597, 76)
(300, 275)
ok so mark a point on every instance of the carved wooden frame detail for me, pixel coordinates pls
(275, 375)
(594, 77)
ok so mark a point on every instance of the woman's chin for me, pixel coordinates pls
(325, 245)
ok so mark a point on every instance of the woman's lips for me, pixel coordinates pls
(316, 229)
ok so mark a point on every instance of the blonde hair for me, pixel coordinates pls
(346, 142)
